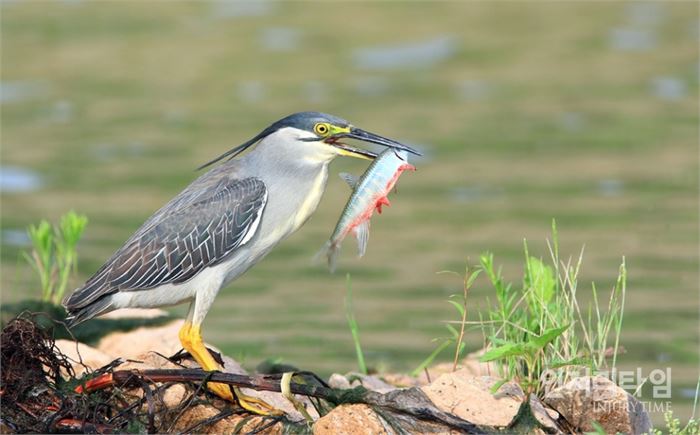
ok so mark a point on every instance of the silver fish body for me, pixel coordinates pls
(369, 193)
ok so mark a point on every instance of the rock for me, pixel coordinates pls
(350, 420)
(584, 400)
(470, 364)
(135, 313)
(352, 380)
(469, 397)
(545, 416)
(232, 366)
(278, 401)
(435, 372)
(190, 422)
(400, 380)
(338, 381)
(162, 339)
(372, 383)
(148, 360)
(82, 356)
(174, 395)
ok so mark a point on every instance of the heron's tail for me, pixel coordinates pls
(329, 250)
(77, 315)
(87, 302)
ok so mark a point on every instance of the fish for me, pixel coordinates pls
(369, 194)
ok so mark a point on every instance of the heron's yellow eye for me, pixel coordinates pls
(322, 129)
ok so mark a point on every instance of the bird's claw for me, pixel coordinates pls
(249, 403)
(255, 405)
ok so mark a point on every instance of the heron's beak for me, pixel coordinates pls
(347, 150)
(365, 136)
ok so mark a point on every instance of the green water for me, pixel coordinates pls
(586, 113)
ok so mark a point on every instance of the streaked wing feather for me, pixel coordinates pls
(182, 241)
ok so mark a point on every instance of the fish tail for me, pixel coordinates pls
(330, 251)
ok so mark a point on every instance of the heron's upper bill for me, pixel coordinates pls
(365, 136)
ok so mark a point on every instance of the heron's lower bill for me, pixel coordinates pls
(369, 194)
(349, 151)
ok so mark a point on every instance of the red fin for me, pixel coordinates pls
(382, 201)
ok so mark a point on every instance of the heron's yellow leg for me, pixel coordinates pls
(191, 339)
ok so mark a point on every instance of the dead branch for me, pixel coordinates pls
(411, 402)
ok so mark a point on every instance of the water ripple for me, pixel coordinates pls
(14, 179)
(421, 54)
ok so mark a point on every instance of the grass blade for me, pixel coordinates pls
(354, 329)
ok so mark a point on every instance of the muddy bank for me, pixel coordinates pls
(150, 387)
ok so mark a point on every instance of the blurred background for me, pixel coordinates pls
(528, 111)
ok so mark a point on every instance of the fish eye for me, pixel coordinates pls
(321, 129)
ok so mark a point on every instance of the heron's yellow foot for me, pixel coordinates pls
(191, 339)
(255, 405)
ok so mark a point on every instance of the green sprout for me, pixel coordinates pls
(456, 337)
(53, 256)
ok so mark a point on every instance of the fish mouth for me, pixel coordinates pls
(365, 136)
(350, 151)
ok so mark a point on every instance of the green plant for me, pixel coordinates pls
(535, 328)
(673, 426)
(354, 329)
(456, 337)
(53, 256)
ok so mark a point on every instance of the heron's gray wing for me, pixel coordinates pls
(182, 242)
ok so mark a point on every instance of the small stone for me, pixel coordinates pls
(352, 380)
(589, 399)
(400, 380)
(350, 420)
(470, 398)
(370, 382)
(279, 402)
(544, 416)
(338, 381)
(174, 395)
